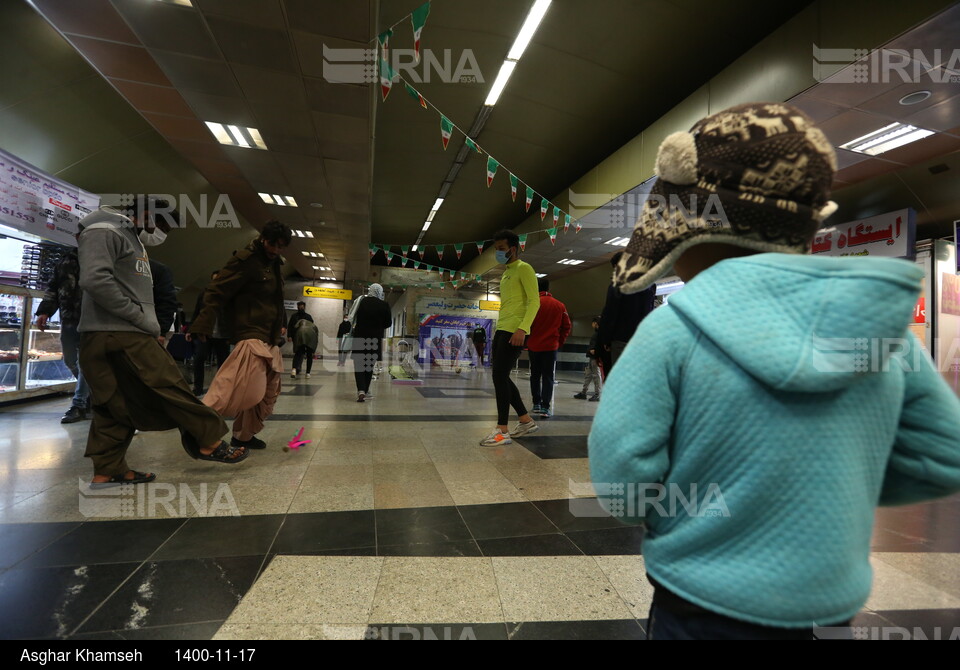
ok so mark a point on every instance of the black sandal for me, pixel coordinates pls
(120, 480)
(225, 454)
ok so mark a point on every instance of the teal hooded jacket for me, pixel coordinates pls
(756, 421)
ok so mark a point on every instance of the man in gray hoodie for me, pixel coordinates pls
(134, 382)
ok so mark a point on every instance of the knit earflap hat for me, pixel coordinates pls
(756, 176)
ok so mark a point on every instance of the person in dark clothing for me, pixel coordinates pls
(371, 317)
(248, 295)
(306, 339)
(342, 333)
(479, 337)
(217, 343)
(299, 352)
(591, 373)
(164, 297)
(64, 294)
(621, 316)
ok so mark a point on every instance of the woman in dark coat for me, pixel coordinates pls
(370, 317)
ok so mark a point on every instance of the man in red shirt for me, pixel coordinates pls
(547, 334)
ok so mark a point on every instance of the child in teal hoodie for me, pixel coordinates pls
(782, 397)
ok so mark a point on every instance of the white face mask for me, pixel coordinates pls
(154, 239)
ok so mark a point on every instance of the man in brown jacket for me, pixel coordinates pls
(248, 293)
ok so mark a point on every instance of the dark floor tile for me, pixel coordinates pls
(554, 446)
(52, 602)
(431, 392)
(627, 629)
(107, 636)
(301, 390)
(418, 525)
(609, 542)
(166, 593)
(194, 631)
(353, 551)
(19, 540)
(322, 531)
(435, 631)
(210, 537)
(919, 625)
(577, 514)
(446, 549)
(859, 629)
(107, 542)
(505, 520)
(530, 545)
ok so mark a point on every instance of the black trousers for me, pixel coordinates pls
(542, 367)
(503, 359)
(219, 346)
(298, 357)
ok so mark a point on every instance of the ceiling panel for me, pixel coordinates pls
(157, 99)
(169, 27)
(345, 99)
(266, 13)
(220, 109)
(309, 49)
(259, 84)
(343, 128)
(178, 127)
(253, 45)
(888, 104)
(93, 18)
(120, 61)
(349, 20)
(942, 117)
(198, 74)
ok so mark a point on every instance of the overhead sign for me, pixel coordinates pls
(891, 235)
(290, 304)
(331, 293)
(490, 305)
(36, 203)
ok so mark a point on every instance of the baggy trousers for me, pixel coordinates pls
(136, 385)
(246, 386)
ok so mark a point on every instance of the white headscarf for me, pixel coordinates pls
(375, 291)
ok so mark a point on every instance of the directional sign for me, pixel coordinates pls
(332, 293)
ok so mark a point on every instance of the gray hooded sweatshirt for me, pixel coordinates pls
(115, 276)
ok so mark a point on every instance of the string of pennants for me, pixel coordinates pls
(420, 265)
(418, 19)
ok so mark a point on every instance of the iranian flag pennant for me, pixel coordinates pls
(492, 166)
(440, 251)
(556, 215)
(386, 77)
(523, 241)
(384, 40)
(514, 182)
(415, 94)
(477, 277)
(459, 249)
(552, 232)
(441, 285)
(446, 130)
(418, 18)
(373, 250)
(544, 203)
(473, 145)
(566, 223)
(529, 198)
(579, 227)
(405, 250)
(479, 246)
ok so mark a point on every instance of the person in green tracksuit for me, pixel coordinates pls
(520, 301)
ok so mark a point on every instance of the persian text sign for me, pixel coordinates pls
(332, 293)
(891, 235)
(36, 203)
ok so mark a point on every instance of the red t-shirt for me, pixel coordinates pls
(551, 326)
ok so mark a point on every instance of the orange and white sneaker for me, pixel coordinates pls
(496, 438)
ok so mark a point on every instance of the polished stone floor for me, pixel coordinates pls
(391, 523)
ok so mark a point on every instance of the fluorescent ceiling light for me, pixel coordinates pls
(530, 25)
(618, 241)
(541, 274)
(426, 227)
(886, 138)
(432, 214)
(309, 234)
(437, 204)
(279, 201)
(267, 198)
(414, 247)
(570, 261)
(505, 71)
(299, 233)
(236, 136)
(182, 3)
(290, 200)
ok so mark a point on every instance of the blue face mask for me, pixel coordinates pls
(503, 257)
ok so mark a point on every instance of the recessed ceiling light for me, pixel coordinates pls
(570, 261)
(541, 274)
(915, 97)
(617, 241)
(236, 136)
(886, 138)
(302, 233)
(316, 204)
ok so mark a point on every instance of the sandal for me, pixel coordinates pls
(120, 480)
(225, 453)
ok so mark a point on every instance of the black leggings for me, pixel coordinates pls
(503, 358)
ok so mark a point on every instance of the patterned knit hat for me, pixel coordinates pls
(756, 176)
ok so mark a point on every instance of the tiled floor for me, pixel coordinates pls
(391, 524)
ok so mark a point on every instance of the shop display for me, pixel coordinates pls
(29, 358)
(39, 265)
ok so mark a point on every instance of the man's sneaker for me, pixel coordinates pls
(580, 396)
(360, 396)
(74, 414)
(495, 438)
(545, 412)
(293, 375)
(536, 409)
(595, 398)
(524, 428)
(308, 375)
(368, 395)
(252, 443)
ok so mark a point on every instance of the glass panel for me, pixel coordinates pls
(45, 364)
(11, 318)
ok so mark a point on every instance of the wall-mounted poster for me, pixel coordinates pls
(891, 235)
(950, 294)
(447, 341)
(39, 204)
